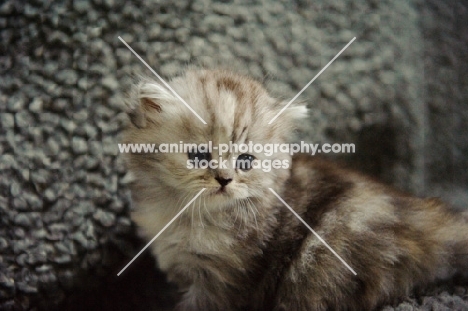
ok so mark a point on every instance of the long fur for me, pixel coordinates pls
(242, 249)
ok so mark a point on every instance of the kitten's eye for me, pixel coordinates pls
(199, 155)
(244, 162)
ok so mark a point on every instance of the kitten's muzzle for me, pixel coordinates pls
(223, 181)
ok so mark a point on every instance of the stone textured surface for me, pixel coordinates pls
(399, 92)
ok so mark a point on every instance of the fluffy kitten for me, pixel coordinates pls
(237, 247)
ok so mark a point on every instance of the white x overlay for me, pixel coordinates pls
(162, 230)
(203, 189)
(313, 79)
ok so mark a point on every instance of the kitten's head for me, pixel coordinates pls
(236, 110)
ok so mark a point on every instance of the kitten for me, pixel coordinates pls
(237, 247)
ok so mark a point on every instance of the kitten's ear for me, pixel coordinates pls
(145, 102)
(295, 112)
(138, 114)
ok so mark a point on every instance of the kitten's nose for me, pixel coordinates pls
(223, 181)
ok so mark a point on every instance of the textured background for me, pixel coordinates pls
(399, 92)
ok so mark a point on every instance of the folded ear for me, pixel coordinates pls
(145, 101)
(296, 112)
(289, 117)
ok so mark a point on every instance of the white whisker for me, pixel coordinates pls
(199, 213)
(253, 209)
(191, 219)
(208, 213)
(238, 211)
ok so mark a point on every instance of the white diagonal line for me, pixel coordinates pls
(308, 84)
(161, 79)
(162, 230)
(315, 233)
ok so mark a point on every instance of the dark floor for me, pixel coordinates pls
(140, 287)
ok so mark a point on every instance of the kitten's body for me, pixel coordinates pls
(242, 249)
